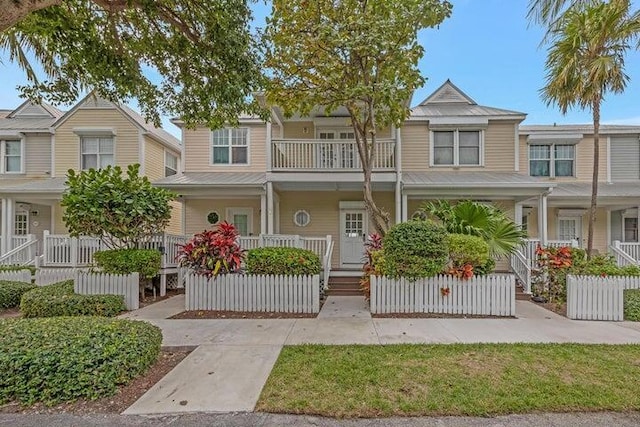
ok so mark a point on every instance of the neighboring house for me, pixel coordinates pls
(39, 144)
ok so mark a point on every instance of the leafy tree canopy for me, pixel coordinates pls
(120, 208)
(195, 60)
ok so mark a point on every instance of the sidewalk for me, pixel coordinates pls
(234, 357)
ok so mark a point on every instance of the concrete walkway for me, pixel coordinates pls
(234, 357)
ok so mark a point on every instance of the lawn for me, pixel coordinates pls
(459, 379)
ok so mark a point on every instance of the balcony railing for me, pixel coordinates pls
(322, 155)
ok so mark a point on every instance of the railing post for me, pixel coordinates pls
(45, 243)
(73, 254)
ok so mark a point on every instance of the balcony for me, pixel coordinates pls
(323, 155)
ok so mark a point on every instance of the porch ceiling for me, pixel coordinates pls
(46, 186)
(331, 186)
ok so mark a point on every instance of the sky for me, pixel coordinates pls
(488, 50)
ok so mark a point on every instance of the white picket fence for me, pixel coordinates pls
(491, 295)
(16, 276)
(126, 285)
(259, 293)
(598, 298)
(48, 276)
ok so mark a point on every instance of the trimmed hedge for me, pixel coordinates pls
(632, 305)
(147, 262)
(466, 249)
(289, 261)
(66, 358)
(11, 292)
(60, 300)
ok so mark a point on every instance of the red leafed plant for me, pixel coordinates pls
(373, 245)
(445, 292)
(213, 252)
(462, 272)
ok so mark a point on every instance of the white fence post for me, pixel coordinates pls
(126, 285)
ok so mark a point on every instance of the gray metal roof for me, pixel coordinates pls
(583, 190)
(197, 179)
(149, 127)
(44, 185)
(578, 128)
(472, 179)
(28, 124)
(30, 117)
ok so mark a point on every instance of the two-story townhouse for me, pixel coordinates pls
(302, 175)
(563, 155)
(94, 133)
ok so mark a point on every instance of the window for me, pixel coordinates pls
(230, 146)
(21, 224)
(457, 148)
(96, 152)
(630, 232)
(551, 160)
(170, 164)
(301, 218)
(213, 217)
(11, 153)
(335, 154)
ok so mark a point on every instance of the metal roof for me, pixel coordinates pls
(149, 127)
(471, 179)
(44, 185)
(197, 179)
(583, 190)
(578, 128)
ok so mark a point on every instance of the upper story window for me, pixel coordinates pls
(552, 160)
(96, 152)
(170, 164)
(12, 155)
(457, 148)
(230, 146)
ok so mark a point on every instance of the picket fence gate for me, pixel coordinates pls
(598, 298)
(490, 295)
(258, 293)
(126, 285)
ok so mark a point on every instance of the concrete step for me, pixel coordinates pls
(343, 279)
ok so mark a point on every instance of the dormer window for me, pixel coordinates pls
(11, 153)
(456, 148)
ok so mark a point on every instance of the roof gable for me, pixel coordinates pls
(29, 109)
(448, 93)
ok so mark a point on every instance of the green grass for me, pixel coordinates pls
(459, 379)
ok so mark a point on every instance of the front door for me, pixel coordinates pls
(353, 229)
(570, 228)
(242, 219)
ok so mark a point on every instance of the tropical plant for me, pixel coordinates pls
(586, 58)
(354, 54)
(121, 209)
(478, 219)
(196, 60)
(372, 262)
(213, 252)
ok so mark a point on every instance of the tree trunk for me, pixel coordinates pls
(594, 181)
(379, 217)
(14, 11)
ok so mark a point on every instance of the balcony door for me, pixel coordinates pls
(334, 154)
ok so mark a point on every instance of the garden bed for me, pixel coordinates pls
(212, 314)
(124, 397)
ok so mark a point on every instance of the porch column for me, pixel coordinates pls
(269, 208)
(542, 219)
(405, 207)
(263, 213)
(518, 214)
(398, 200)
(8, 218)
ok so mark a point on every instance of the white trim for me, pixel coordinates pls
(142, 153)
(52, 172)
(183, 156)
(608, 236)
(455, 121)
(456, 148)
(609, 159)
(94, 131)
(248, 145)
(351, 205)
(270, 208)
(554, 138)
(301, 224)
(516, 166)
(268, 146)
(241, 211)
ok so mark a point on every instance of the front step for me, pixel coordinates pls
(344, 286)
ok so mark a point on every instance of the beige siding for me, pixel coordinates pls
(415, 147)
(324, 209)
(58, 226)
(299, 130)
(154, 159)
(198, 154)
(37, 155)
(175, 225)
(196, 211)
(67, 149)
(499, 146)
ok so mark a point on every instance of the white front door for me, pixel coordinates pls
(570, 228)
(353, 232)
(242, 218)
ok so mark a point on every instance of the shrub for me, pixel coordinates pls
(213, 252)
(415, 249)
(289, 261)
(373, 247)
(466, 249)
(632, 305)
(11, 292)
(60, 300)
(126, 261)
(65, 358)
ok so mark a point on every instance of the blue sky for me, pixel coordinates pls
(486, 48)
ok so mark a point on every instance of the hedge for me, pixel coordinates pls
(11, 292)
(289, 261)
(60, 300)
(632, 305)
(66, 358)
(147, 262)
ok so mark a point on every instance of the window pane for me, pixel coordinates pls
(239, 155)
(443, 148)
(539, 167)
(12, 164)
(221, 137)
(241, 221)
(171, 161)
(564, 152)
(13, 148)
(89, 161)
(106, 160)
(239, 137)
(220, 155)
(469, 156)
(469, 139)
(89, 145)
(106, 145)
(539, 152)
(443, 139)
(564, 167)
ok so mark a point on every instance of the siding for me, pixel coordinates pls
(198, 151)
(196, 211)
(175, 225)
(154, 159)
(67, 155)
(296, 130)
(415, 147)
(37, 155)
(625, 158)
(58, 226)
(324, 209)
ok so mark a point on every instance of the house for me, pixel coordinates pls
(39, 144)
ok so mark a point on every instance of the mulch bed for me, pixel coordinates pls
(115, 404)
(435, 316)
(206, 314)
(9, 313)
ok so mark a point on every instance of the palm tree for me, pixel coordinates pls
(478, 219)
(547, 12)
(585, 61)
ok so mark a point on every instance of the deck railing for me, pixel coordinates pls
(323, 154)
(530, 246)
(522, 269)
(23, 252)
(626, 253)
